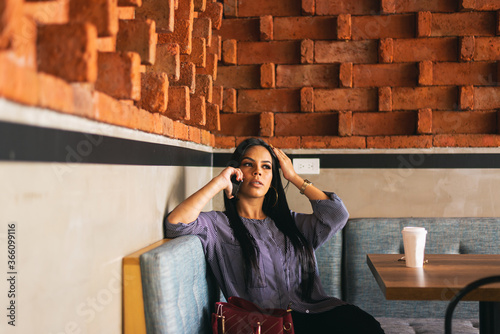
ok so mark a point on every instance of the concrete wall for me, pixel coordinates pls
(76, 221)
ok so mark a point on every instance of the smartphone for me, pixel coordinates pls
(236, 185)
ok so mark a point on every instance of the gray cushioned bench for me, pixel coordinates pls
(179, 292)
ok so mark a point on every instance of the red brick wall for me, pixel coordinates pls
(360, 73)
(301, 73)
(142, 64)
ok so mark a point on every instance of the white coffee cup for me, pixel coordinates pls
(414, 244)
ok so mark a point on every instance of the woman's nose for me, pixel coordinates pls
(256, 172)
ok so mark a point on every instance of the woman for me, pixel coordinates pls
(261, 251)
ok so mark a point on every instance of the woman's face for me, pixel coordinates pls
(257, 168)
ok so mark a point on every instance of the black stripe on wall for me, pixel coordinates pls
(392, 160)
(29, 143)
(20, 142)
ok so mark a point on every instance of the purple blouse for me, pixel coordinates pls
(276, 285)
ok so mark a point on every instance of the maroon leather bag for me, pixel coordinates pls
(240, 316)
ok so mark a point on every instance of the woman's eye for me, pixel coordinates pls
(266, 167)
(247, 164)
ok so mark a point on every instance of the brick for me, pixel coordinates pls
(266, 28)
(420, 49)
(217, 96)
(469, 140)
(126, 13)
(285, 142)
(11, 14)
(487, 48)
(464, 24)
(162, 12)
(210, 68)
(207, 138)
(14, 79)
(133, 3)
(187, 77)
(388, 6)
(464, 122)
(83, 100)
(77, 63)
(111, 111)
(216, 46)
(462, 74)
(467, 45)
(274, 8)
(154, 92)
(267, 76)
(214, 13)
(383, 26)
(106, 44)
(467, 5)
(278, 52)
(182, 35)
(378, 75)
(266, 124)
(230, 8)
(413, 6)
(229, 52)
(138, 36)
(275, 100)
(498, 23)
(384, 123)
(245, 29)
(167, 126)
(412, 98)
(320, 76)
(386, 50)
(198, 53)
(179, 105)
(316, 124)
(47, 12)
(424, 121)
(308, 7)
(346, 124)
(167, 60)
(346, 75)
(344, 27)
(353, 7)
(399, 142)
(157, 124)
(103, 14)
(181, 131)
(202, 27)
(486, 98)
(240, 124)
(342, 52)
(213, 117)
(307, 51)
(225, 141)
(119, 75)
(385, 99)
(305, 27)
(54, 93)
(200, 5)
(247, 76)
(332, 142)
(230, 98)
(354, 99)
(145, 120)
(198, 113)
(486, 5)
(185, 11)
(425, 73)
(307, 99)
(424, 24)
(204, 86)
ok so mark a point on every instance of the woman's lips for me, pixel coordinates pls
(256, 183)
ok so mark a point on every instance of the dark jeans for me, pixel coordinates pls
(345, 319)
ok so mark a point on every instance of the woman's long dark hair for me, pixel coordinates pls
(279, 212)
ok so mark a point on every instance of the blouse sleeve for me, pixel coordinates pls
(203, 227)
(329, 216)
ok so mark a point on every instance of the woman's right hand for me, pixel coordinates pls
(225, 177)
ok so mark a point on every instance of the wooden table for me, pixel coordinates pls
(440, 279)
